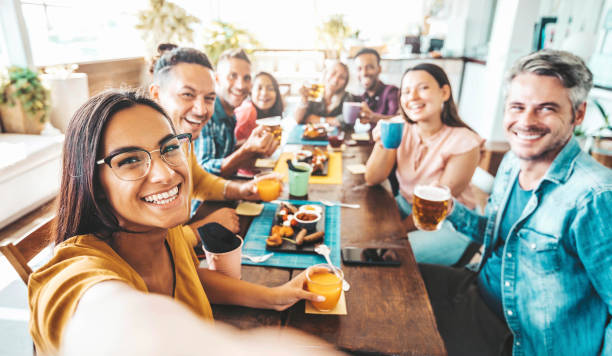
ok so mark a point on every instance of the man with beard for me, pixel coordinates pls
(380, 101)
(216, 147)
(544, 285)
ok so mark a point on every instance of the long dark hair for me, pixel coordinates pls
(278, 107)
(449, 114)
(82, 207)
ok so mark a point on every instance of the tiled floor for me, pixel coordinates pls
(14, 313)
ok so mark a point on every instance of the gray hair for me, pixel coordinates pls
(568, 68)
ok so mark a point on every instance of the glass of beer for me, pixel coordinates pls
(430, 205)
(316, 92)
(273, 126)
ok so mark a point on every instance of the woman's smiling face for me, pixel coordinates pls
(263, 94)
(160, 199)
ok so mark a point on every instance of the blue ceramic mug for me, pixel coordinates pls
(391, 133)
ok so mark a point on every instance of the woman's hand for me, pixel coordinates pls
(292, 292)
(376, 133)
(248, 190)
(366, 115)
(304, 93)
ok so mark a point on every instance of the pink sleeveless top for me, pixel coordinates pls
(423, 161)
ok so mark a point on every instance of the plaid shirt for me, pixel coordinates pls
(217, 140)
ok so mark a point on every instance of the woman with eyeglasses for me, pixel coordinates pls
(125, 191)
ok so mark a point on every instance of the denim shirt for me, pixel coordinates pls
(216, 140)
(556, 280)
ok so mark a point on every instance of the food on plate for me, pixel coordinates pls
(274, 240)
(306, 216)
(314, 237)
(316, 157)
(299, 238)
(311, 207)
(303, 155)
(315, 131)
(296, 226)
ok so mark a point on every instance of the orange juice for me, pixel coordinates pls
(269, 189)
(326, 284)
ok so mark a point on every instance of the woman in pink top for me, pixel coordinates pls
(437, 146)
(266, 101)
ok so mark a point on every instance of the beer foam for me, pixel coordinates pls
(431, 193)
(270, 121)
(397, 120)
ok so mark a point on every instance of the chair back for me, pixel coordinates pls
(19, 250)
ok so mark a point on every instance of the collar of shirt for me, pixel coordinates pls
(219, 115)
(372, 100)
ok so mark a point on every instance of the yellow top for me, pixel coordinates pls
(204, 186)
(82, 261)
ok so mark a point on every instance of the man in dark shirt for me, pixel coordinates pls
(380, 101)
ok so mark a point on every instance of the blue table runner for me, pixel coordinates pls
(255, 239)
(295, 137)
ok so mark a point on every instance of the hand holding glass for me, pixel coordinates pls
(322, 280)
(430, 206)
(268, 186)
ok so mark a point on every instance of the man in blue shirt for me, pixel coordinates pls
(216, 147)
(544, 285)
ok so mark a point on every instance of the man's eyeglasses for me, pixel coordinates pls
(133, 163)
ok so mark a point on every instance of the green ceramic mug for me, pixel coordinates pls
(298, 179)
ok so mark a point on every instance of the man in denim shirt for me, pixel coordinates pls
(544, 285)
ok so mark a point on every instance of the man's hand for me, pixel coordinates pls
(261, 142)
(367, 115)
(224, 216)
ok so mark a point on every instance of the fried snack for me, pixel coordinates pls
(286, 231)
(314, 237)
(299, 239)
(314, 131)
(276, 230)
(320, 153)
(274, 240)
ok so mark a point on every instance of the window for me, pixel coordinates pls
(68, 31)
(3, 53)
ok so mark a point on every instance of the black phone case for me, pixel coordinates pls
(368, 263)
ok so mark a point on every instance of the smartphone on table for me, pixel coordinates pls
(370, 256)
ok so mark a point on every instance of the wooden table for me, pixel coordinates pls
(388, 308)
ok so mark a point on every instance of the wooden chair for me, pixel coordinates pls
(19, 250)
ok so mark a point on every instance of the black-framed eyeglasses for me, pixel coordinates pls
(132, 163)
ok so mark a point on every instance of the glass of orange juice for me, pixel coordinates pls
(321, 280)
(269, 187)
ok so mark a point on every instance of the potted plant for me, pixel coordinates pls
(220, 36)
(332, 34)
(24, 101)
(165, 21)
